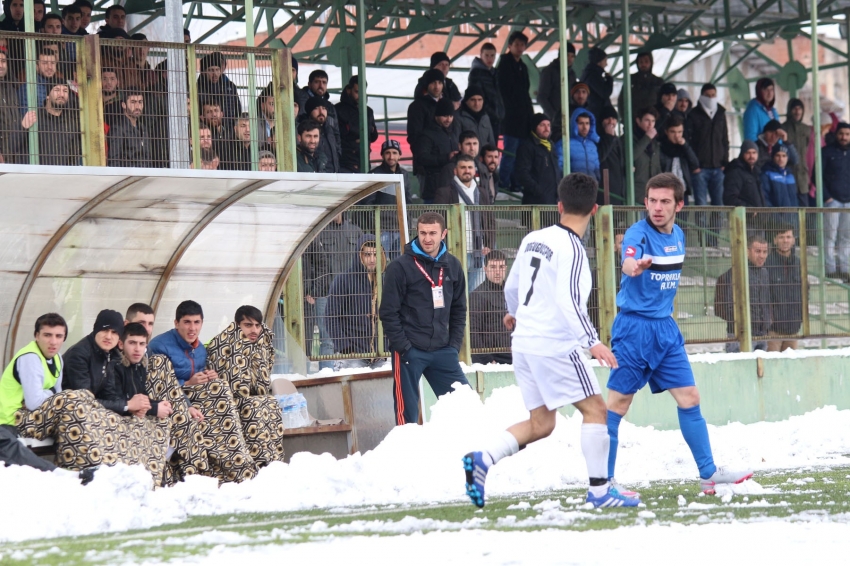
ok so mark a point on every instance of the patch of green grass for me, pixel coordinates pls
(792, 495)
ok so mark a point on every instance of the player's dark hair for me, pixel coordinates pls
(518, 35)
(134, 329)
(644, 111)
(71, 9)
(431, 218)
(248, 311)
(667, 181)
(465, 157)
(782, 228)
(673, 121)
(467, 135)
(308, 125)
(487, 148)
(50, 319)
(188, 308)
(317, 74)
(755, 238)
(138, 308)
(495, 255)
(488, 47)
(577, 193)
(113, 8)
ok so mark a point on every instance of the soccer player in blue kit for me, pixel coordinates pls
(645, 338)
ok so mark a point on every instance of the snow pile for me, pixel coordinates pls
(413, 465)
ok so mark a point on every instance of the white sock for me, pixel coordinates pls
(502, 446)
(595, 443)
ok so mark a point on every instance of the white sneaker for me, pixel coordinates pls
(723, 475)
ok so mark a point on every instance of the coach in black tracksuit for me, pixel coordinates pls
(423, 310)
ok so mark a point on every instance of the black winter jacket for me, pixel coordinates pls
(129, 145)
(431, 152)
(488, 81)
(487, 308)
(225, 92)
(420, 114)
(612, 158)
(59, 138)
(709, 137)
(645, 87)
(89, 367)
(306, 163)
(549, 94)
(742, 185)
(537, 172)
(760, 307)
(687, 160)
(514, 85)
(478, 123)
(389, 218)
(450, 89)
(601, 85)
(352, 318)
(407, 305)
(786, 292)
(131, 380)
(836, 172)
(348, 113)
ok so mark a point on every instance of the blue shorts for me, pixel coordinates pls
(648, 350)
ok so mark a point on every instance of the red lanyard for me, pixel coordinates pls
(428, 277)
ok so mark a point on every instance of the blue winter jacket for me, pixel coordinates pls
(187, 359)
(584, 157)
(778, 185)
(755, 117)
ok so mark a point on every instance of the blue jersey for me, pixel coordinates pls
(651, 293)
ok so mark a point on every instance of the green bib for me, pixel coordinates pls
(11, 391)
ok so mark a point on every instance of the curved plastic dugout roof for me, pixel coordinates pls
(82, 239)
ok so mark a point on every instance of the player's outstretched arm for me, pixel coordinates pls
(634, 267)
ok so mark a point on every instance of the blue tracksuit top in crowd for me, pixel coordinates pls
(778, 185)
(186, 358)
(651, 293)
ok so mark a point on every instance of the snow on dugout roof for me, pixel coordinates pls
(79, 240)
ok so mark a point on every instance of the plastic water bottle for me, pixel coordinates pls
(302, 409)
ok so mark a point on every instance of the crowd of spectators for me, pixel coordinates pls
(454, 139)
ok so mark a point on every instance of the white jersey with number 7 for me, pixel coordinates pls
(547, 291)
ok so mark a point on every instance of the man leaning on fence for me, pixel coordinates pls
(761, 315)
(836, 194)
(353, 308)
(487, 308)
(786, 290)
(423, 310)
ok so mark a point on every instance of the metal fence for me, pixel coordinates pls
(760, 278)
(68, 100)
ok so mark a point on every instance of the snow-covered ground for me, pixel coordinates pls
(413, 465)
(773, 542)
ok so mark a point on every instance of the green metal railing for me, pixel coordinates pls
(718, 241)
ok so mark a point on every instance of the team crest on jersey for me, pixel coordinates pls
(630, 251)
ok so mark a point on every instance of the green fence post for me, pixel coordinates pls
(284, 111)
(606, 271)
(740, 278)
(194, 106)
(804, 270)
(293, 316)
(456, 244)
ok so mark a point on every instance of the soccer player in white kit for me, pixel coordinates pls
(546, 294)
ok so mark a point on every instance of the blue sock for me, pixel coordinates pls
(613, 432)
(695, 432)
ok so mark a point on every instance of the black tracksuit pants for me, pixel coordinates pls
(13, 452)
(441, 368)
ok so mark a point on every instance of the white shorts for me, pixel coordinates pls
(554, 382)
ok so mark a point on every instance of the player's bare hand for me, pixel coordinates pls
(604, 355)
(509, 322)
(196, 414)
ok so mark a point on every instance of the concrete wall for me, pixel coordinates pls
(743, 390)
